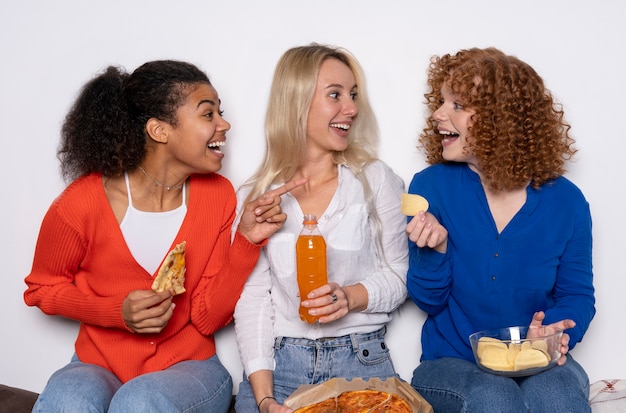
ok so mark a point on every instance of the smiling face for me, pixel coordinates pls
(333, 107)
(200, 131)
(453, 122)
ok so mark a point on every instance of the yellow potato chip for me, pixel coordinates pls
(514, 350)
(484, 343)
(495, 358)
(493, 354)
(413, 204)
(540, 345)
(531, 358)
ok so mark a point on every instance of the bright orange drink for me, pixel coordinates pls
(310, 264)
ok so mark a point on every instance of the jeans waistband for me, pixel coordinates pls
(326, 342)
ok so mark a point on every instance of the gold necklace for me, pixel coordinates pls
(157, 183)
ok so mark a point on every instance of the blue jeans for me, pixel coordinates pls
(456, 385)
(188, 386)
(301, 361)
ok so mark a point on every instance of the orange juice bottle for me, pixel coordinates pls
(310, 262)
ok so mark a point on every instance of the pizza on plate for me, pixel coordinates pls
(360, 401)
(171, 275)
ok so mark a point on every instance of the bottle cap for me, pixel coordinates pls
(309, 219)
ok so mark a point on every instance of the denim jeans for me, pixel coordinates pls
(456, 385)
(188, 386)
(302, 361)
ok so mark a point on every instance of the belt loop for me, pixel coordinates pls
(355, 342)
(278, 342)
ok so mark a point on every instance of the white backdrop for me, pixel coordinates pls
(49, 49)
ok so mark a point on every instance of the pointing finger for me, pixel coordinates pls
(281, 190)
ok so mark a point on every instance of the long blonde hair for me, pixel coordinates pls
(292, 90)
(291, 94)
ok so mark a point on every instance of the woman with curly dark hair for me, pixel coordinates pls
(141, 151)
(506, 239)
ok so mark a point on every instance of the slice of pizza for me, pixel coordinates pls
(326, 406)
(360, 401)
(171, 275)
(395, 404)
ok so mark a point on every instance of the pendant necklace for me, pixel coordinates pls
(157, 183)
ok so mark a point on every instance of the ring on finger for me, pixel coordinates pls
(333, 297)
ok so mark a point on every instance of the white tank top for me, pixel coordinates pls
(149, 235)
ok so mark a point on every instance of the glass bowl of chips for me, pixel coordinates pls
(516, 351)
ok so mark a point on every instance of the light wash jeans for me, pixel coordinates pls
(188, 386)
(301, 361)
(456, 385)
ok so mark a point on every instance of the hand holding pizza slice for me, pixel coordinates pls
(171, 275)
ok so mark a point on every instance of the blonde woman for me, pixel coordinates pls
(320, 127)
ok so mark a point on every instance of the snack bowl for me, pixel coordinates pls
(516, 351)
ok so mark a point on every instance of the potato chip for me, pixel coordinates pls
(487, 342)
(540, 345)
(495, 358)
(413, 204)
(514, 350)
(493, 354)
(528, 359)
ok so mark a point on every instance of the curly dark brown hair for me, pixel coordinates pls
(518, 133)
(105, 130)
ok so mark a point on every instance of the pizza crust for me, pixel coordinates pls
(171, 274)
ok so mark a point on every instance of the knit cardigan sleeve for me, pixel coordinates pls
(228, 267)
(58, 283)
(221, 285)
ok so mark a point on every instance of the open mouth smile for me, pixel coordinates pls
(216, 146)
(343, 126)
(447, 136)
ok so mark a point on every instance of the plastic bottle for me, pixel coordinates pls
(310, 263)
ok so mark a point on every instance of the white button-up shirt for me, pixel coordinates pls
(268, 306)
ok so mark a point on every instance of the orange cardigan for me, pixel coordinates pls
(83, 270)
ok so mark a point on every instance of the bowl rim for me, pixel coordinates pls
(522, 330)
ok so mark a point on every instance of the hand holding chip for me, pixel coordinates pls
(423, 229)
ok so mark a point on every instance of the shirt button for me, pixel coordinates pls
(493, 278)
(152, 343)
(496, 254)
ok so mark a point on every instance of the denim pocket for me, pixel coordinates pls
(373, 352)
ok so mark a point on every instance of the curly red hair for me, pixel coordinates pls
(518, 133)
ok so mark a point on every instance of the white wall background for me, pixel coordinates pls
(49, 49)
